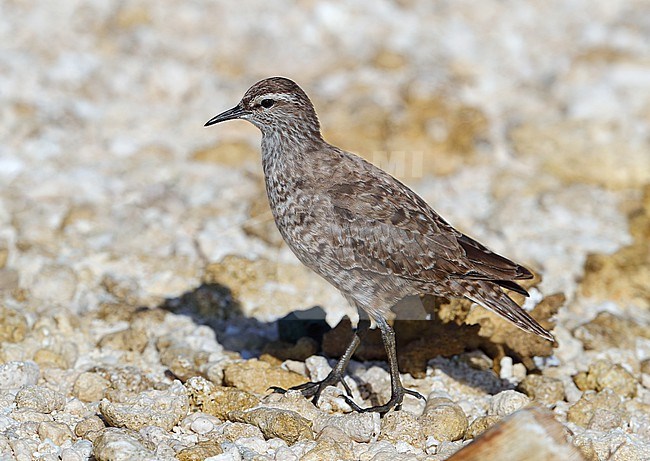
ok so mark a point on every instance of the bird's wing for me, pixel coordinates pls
(400, 234)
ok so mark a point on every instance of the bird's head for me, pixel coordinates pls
(275, 104)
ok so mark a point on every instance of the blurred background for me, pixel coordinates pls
(525, 124)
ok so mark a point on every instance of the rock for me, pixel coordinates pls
(542, 389)
(14, 375)
(480, 425)
(200, 451)
(256, 376)
(131, 339)
(237, 431)
(40, 398)
(46, 358)
(182, 361)
(55, 283)
(507, 402)
(13, 325)
(89, 428)
(55, 431)
(250, 282)
(304, 348)
(328, 450)
(600, 411)
(443, 419)
(285, 424)
(402, 426)
(607, 331)
(90, 387)
(81, 450)
(624, 275)
(605, 375)
(149, 408)
(121, 445)
(530, 434)
(360, 427)
(218, 400)
(597, 152)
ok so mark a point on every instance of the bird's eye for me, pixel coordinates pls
(266, 103)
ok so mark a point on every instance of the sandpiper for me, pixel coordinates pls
(364, 231)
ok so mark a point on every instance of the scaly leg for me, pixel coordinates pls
(314, 389)
(398, 391)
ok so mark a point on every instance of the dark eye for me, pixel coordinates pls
(266, 103)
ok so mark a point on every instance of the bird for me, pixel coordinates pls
(365, 232)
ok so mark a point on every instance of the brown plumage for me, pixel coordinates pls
(364, 231)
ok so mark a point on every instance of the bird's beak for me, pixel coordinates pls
(230, 114)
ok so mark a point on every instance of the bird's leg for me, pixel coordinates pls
(314, 389)
(397, 389)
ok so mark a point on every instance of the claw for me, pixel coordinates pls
(394, 402)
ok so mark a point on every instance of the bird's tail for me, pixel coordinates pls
(493, 298)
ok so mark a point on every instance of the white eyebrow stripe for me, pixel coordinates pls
(277, 96)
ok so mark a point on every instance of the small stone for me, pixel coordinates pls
(183, 361)
(90, 387)
(218, 400)
(443, 419)
(237, 431)
(200, 451)
(328, 450)
(402, 426)
(480, 425)
(14, 375)
(507, 402)
(13, 325)
(121, 445)
(607, 331)
(360, 427)
(40, 398)
(25, 415)
(81, 450)
(46, 358)
(257, 377)
(600, 411)
(132, 339)
(285, 424)
(91, 424)
(202, 426)
(605, 375)
(543, 389)
(149, 408)
(55, 431)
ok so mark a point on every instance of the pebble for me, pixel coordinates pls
(360, 427)
(149, 408)
(55, 431)
(285, 424)
(115, 444)
(605, 375)
(599, 411)
(200, 451)
(256, 377)
(402, 426)
(218, 400)
(443, 419)
(90, 387)
(40, 398)
(506, 402)
(14, 375)
(542, 389)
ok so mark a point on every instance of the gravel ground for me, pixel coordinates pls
(141, 277)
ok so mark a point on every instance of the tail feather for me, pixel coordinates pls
(493, 298)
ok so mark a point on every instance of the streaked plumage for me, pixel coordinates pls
(362, 230)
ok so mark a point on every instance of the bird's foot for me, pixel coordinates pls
(314, 389)
(395, 401)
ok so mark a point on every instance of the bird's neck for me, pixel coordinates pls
(284, 149)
